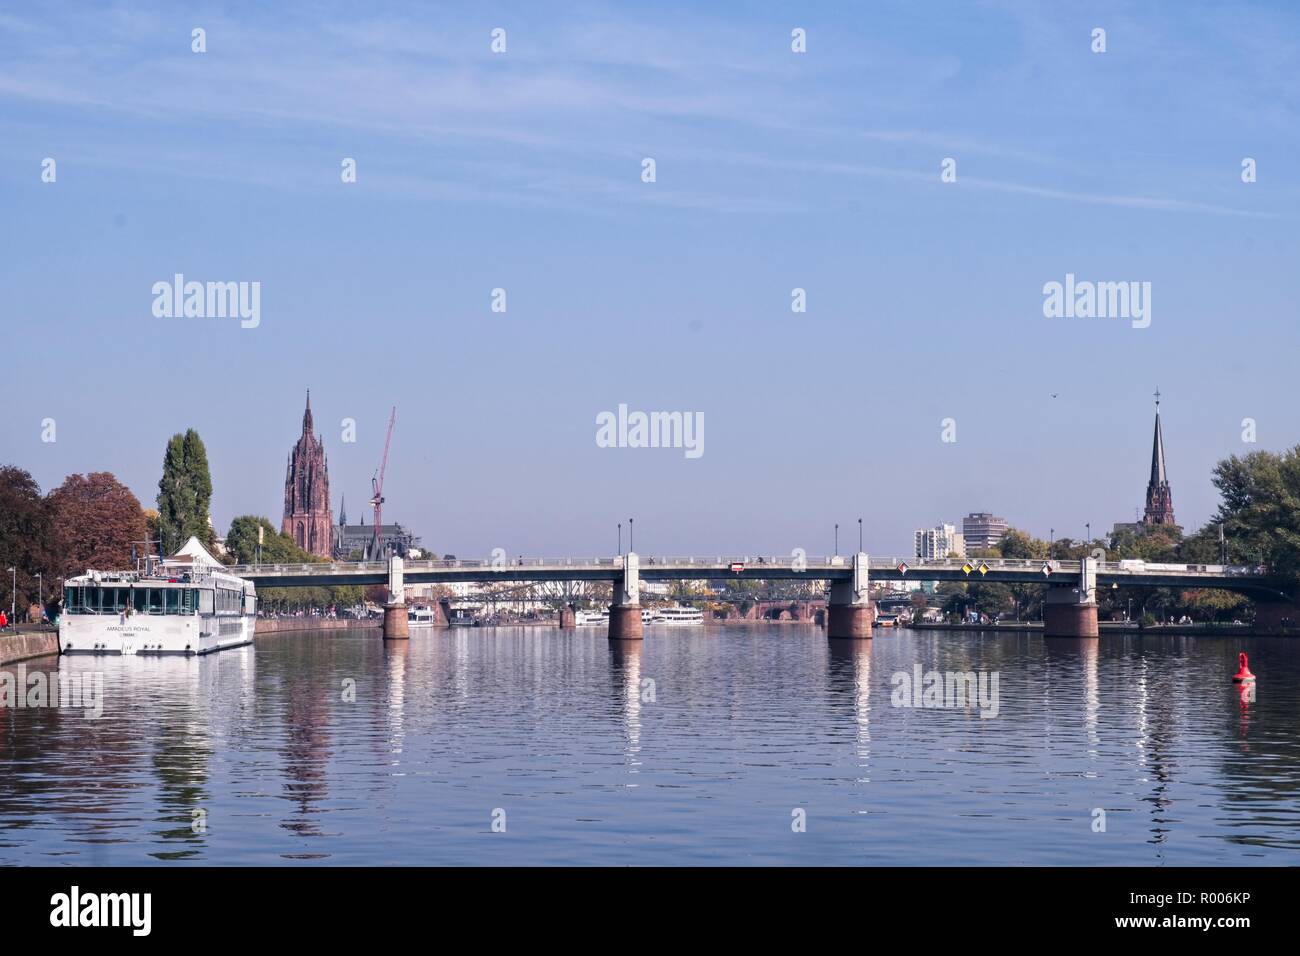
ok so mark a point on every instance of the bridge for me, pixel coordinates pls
(1070, 608)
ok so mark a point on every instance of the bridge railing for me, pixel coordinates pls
(750, 562)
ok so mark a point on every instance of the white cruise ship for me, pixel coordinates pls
(421, 615)
(681, 615)
(185, 604)
(590, 618)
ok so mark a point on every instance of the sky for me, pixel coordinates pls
(774, 170)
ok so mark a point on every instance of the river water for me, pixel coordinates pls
(729, 745)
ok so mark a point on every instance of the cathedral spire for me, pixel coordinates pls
(1160, 503)
(307, 428)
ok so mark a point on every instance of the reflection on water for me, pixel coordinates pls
(691, 747)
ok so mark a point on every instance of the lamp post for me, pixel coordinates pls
(859, 536)
(630, 545)
(40, 589)
(837, 539)
(13, 594)
(1051, 541)
(1088, 526)
(620, 539)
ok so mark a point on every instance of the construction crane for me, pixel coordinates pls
(377, 486)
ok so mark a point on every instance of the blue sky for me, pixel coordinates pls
(775, 170)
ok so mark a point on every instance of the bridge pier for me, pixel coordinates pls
(1071, 611)
(849, 614)
(1275, 615)
(396, 622)
(625, 612)
(569, 617)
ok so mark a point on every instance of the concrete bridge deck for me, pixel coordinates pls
(765, 567)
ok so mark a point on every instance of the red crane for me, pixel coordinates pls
(377, 486)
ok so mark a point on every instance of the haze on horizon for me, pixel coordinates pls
(775, 171)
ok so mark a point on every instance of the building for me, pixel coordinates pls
(307, 519)
(359, 540)
(1160, 502)
(938, 542)
(982, 531)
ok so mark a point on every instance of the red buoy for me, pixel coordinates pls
(1243, 674)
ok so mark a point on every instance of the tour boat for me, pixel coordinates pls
(590, 618)
(681, 615)
(420, 615)
(649, 615)
(185, 604)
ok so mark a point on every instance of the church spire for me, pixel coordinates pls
(1160, 503)
(307, 428)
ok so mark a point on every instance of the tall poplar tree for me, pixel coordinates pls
(184, 493)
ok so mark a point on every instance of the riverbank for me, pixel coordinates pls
(273, 625)
(1120, 627)
(30, 640)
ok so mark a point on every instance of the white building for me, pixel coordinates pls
(939, 542)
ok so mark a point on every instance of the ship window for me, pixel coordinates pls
(120, 597)
(140, 598)
(90, 600)
(173, 600)
(205, 602)
(155, 601)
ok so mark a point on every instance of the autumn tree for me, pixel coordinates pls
(26, 540)
(98, 523)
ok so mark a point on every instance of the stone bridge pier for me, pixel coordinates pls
(849, 614)
(625, 612)
(1070, 608)
(568, 617)
(396, 625)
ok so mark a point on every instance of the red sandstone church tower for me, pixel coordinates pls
(307, 516)
(1160, 502)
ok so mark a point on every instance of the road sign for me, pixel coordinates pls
(737, 568)
(967, 568)
(984, 568)
(1047, 569)
(902, 567)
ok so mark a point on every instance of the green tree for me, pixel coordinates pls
(185, 493)
(277, 548)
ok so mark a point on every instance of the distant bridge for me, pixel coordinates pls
(1250, 580)
(1069, 607)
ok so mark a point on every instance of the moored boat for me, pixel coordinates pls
(185, 604)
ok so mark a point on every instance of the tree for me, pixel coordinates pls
(184, 493)
(1260, 511)
(277, 548)
(26, 535)
(98, 524)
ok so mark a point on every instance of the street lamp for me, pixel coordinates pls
(40, 589)
(859, 536)
(620, 538)
(1088, 526)
(630, 546)
(1051, 540)
(13, 595)
(837, 539)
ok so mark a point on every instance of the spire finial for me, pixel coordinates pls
(1157, 396)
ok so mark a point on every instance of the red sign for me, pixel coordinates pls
(737, 568)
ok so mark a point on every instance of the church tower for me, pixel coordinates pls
(1160, 502)
(307, 518)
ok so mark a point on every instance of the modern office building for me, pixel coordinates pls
(983, 530)
(939, 542)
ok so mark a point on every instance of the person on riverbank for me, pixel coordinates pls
(4, 620)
